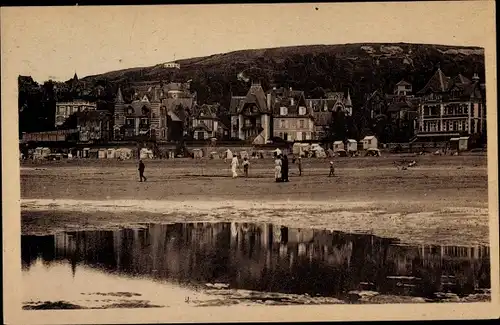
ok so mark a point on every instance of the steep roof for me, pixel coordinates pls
(137, 106)
(119, 96)
(257, 96)
(322, 118)
(236, 102)
(403, 83)
(206, 111)
(172, 104)
(461, 79)
(348, 101)
(439, 82)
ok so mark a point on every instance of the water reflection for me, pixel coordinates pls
(269, 258)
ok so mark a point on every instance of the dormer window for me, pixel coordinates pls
(130, 111)
(302, 110)
(283, 110)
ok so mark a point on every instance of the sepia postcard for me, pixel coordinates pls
(259, 162)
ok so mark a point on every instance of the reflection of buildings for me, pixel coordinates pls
(272, 258)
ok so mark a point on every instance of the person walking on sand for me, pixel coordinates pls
(284, 168)
(234, 165)
(299, 163)
(277, 168)
(246, 164)
(141, 171)
(332, 170)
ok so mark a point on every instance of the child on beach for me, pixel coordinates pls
(332, 170)
(246, 164)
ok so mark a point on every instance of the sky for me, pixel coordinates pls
(55, 42)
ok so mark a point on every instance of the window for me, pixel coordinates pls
(130, 122)
(304, 136)
(281, 135)
(283, 110)
(130, 110)
(302, 110)
(301, 124)
(282, 124)
(455, 125)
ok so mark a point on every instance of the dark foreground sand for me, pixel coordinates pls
(443, 200)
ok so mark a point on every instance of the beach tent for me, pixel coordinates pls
(197, 153)
(146, 154)
(111, 153)
(123, 153)
(341, 153)
(454, 143)
(463, 143)
(338, 145)
(228, 154)
(244, 154)
(352, 145)
(259, 140)
(214, 155)
(94, 153)
(277, 151)
(318, 151)
(102, 153)
(86, 153)
(41, 153)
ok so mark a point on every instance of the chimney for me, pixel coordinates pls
(292, 101)
(269, 101)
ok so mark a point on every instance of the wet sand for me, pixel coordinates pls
(431, 203)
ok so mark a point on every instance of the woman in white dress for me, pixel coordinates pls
(277, 168)
(234, 165)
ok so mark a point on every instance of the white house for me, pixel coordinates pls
(370, 142)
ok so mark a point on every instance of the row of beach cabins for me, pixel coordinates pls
(339, 148)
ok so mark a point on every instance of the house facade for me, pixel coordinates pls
(292, 119)
(95, 126)
(157, 111)
(65, 109)
(324, 109)
(251, 115)
(451, 107)
(206, 124)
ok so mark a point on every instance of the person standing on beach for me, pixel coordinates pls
(299, 163)
(234, 164)
(246, 164)
(332, 170)
(141, 171)
(284, 168)
(277, 168)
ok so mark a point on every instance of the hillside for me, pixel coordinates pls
(359, 68)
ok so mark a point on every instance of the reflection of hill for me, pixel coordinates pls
(269, 258)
